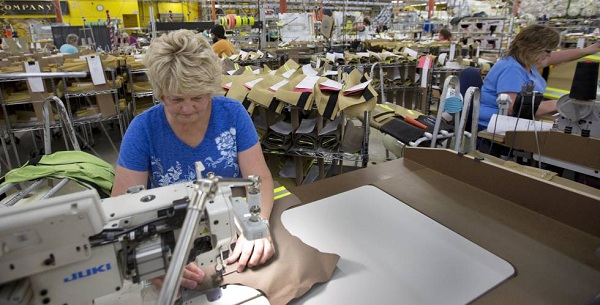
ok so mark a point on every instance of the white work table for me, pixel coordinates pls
(391, 253)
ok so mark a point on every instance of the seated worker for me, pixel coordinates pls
(363, 29)
(71, 46)
(190, 124)
(445, 35)
(128, 39)
(220, 43)
(533, 48)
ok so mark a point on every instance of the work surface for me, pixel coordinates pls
(391, 253)
(555, 263)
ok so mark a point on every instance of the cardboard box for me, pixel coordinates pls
(106, 104)
(558, 145)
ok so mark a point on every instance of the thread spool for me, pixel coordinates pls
(230, 21)
(568, 129)
(585, 133)
(585, 81)
(238, 21)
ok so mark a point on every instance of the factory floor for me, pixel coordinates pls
(31, 144)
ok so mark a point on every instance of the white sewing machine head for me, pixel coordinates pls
(74, 248)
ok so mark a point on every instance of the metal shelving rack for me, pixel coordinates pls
(324, 156)
(98, 118)
(503, 32)
(9, 129)
(136, 95)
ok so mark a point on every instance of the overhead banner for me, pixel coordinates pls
(31, 8)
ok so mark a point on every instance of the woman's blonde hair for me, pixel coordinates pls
(531, 42)
(182, 63)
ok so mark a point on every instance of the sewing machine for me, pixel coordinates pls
(75, 248)
(578, 117)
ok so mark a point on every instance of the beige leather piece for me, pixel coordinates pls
(294, 269)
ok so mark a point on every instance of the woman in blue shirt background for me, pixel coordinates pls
(533, 48)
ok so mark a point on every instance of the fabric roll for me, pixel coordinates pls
(278, 138)
(329, 141)
(305, 136)
(306, 141)
(276, 142)
(329, 136)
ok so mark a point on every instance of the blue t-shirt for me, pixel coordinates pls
(151, 145)
(69, 49)
(507, 75)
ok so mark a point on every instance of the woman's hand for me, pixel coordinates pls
(251, 252)
(191, 278)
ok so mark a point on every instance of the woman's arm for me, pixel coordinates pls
(126, 178)
(255, 252)
(572, 54)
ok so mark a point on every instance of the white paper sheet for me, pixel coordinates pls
(96, 70)
(251, 83)
(357, 88)
(507, 123)
(330, 72)
(410, 52)
(35, 83)
(308, 70)
(331, 85)
(276, 87)
(289, 73)
(308, 83)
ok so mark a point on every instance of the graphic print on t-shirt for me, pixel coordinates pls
(171, 175)
(226, 144)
